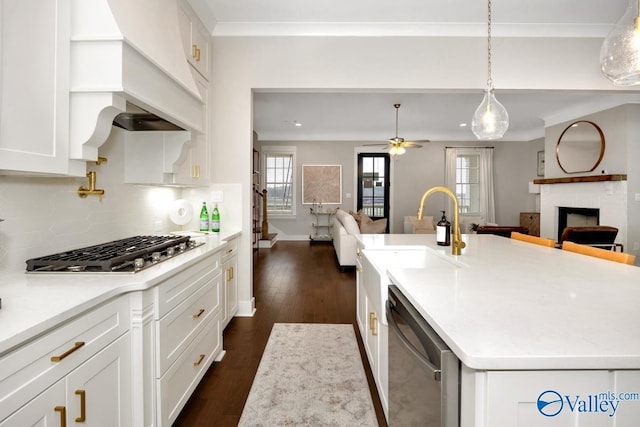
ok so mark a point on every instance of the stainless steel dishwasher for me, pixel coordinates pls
(424, 374)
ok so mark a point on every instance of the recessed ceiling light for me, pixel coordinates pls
(463, 125)
(297, 123)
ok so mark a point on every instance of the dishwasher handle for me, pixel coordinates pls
(437, 373)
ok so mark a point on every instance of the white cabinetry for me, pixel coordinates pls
(84, 368)
(576, 398)
(189, 336)
(195, 39)
(374, 332)
(34, 88)
(230, 289)
(192, 168)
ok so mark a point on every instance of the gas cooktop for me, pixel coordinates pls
(128, 255)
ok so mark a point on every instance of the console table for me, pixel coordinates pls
(321, 226)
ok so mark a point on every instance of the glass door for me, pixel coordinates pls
(373, 185)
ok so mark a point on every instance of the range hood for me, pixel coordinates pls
(128, 68)
(135, 119)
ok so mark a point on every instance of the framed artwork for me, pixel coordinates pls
(540, 163)
(321, 184)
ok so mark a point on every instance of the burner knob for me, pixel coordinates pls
(138, 262)
(170, 251)
(155, 256)
(182, 247)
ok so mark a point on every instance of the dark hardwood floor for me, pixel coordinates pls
(294, 282)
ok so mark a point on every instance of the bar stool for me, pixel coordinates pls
(599, 253)
(543, 241)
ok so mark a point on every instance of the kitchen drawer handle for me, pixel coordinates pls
(199, 360)
(75, 347)
(199, 313)
(63, 415)
(83, 407)
(228, 251)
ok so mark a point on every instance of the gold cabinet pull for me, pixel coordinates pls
(199, 360)
(194, 51)
(228, 251)
(372, 323)
(229, 274)
(198, 54)
(63, 415)
(199, 313)
(75, 347)
(82, 418)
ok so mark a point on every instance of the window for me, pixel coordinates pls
(468, 183)
(469, 173)
(279, 168)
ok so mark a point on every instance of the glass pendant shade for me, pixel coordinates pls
(491, 120)
(397, 150)
(620, 51)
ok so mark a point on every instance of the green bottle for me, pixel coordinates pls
(204, 218)
(215, 219)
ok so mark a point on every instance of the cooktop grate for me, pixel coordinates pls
(107, 257)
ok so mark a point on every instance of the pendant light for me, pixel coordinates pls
(620, 51)
(491, 120)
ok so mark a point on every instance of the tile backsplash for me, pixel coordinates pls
(45, 215)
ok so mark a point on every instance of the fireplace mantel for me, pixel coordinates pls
(591, 178)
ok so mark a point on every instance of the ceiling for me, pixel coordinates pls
(370, 116)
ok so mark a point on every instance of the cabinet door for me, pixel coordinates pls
(34, 83)
(192, 167)
(99, 391)
(361, 301)
(231, 289)
(47, 409)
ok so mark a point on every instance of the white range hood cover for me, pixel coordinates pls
(127, 50)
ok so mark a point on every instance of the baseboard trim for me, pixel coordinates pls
(246, 308)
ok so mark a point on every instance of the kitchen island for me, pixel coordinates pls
(524, 319)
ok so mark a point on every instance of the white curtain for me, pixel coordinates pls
(487, 204)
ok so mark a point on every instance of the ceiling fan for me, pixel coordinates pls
(396, 144)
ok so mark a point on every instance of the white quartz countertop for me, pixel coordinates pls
(511, 305)
(34, 303)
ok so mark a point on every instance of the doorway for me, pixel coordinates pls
(373, 185)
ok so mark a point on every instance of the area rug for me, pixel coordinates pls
(310, 375)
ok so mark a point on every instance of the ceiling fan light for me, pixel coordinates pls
(490, 120)
(620, 51)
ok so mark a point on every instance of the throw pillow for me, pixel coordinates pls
(364, 218)
(374, 227)
(426, 223)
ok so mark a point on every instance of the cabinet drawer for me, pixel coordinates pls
(179, 287)
(180, 325)
(27, 371)
(230, 250)
(177, 384)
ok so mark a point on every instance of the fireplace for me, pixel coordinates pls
(608, 197)
(576, 217)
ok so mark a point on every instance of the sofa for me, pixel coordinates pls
(346, 227)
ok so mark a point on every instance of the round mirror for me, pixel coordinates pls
(580, 147)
